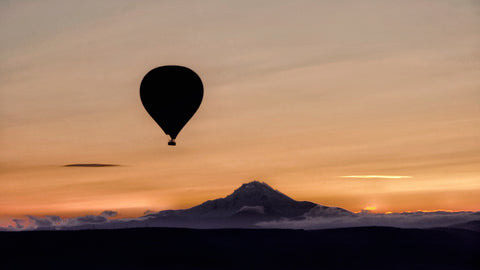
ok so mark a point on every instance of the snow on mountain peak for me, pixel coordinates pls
(252, 209)
(255, 184)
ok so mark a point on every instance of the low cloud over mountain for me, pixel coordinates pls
(51, 222)
(399, 220)
(253, 205)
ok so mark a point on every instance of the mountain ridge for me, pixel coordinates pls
(254, 201)
(248, 206)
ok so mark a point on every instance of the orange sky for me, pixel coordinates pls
(297, 94)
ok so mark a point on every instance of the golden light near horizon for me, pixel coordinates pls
(378, 176)
(332, 105)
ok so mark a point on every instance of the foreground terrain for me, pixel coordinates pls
(176, 248)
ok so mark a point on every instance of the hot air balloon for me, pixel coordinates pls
(171, 95)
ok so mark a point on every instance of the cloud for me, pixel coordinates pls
(19, 223)
(399, 220)
(54, 219)
(90, 165)
(378, 176)
(91, 219)
(148, 212)
(109, 213)
(57, 222)
(40, 221)
(315, 219)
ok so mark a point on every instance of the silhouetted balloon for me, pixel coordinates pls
(171, 95)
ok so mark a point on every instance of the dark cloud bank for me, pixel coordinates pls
(308, 222)
(52, 222)
(399, 220)
(87, 165)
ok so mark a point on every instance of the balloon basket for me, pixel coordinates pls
(172, 142)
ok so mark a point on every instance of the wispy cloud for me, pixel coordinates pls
(109, 213)
(365, 218)
(50, 222)
(378, 176)
(311, 220)
(90, 165)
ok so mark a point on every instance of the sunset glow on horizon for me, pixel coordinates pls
(378, 176)
(329, 102)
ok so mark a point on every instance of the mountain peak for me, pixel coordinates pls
(255, 185)
(257, 189)
(253, 195)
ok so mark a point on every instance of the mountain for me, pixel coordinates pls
(254, 197)
(257, 205)
(249, 204)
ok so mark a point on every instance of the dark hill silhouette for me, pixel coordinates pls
(175, 248)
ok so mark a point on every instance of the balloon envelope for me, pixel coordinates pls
(171, 95)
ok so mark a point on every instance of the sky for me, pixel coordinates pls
(356, 104)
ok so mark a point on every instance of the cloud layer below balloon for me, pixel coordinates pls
(365, 218)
